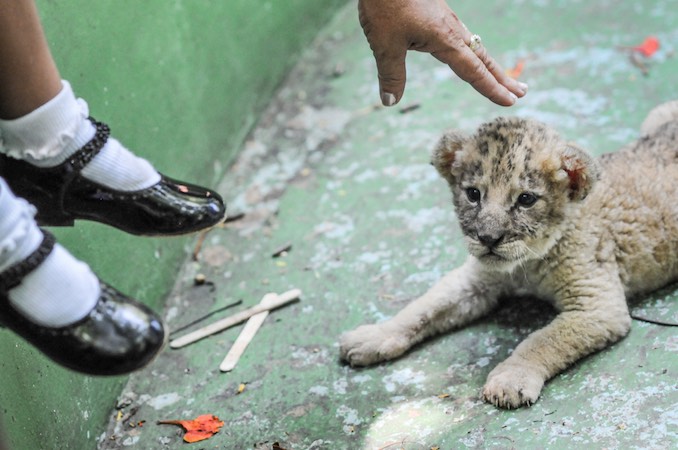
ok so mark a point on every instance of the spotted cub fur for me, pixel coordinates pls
(540, 217)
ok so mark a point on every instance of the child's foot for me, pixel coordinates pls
(58, 305)
(68, 166)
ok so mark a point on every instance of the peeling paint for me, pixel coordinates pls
(164, 400)
(340, 228)
(404, 377)
(322, 391)
(350, 417)
(364, 378)
(340, 386)
(418, 221)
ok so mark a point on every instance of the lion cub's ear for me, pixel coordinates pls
(582, 171)
(445, 152)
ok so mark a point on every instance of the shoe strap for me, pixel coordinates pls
(13, 276)
(87, 152)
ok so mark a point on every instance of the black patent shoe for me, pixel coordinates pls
(62, 195)
(118, 336)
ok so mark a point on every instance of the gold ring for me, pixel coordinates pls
(476, 43)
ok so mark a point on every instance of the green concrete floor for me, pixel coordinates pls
(370, 224)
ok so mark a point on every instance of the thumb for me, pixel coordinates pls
(392, 76)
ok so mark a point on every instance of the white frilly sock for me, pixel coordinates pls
(47, 136)
(61, 290)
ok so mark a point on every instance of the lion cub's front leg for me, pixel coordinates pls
(457, 299)
(594, 317)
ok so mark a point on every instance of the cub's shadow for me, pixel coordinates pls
(522, 314)
(659, 307)
(513, 319)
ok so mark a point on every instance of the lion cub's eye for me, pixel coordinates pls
(473, 195)
(527, 199)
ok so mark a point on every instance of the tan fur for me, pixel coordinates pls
(599, 232)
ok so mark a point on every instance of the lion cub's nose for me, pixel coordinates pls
(490, 240)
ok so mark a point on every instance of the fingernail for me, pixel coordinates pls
(523, 86)
(388, 99)
(514, 97)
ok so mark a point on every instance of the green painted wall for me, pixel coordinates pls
(181, 82)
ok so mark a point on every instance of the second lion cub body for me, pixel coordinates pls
(541, 217)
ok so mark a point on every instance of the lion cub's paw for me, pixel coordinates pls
(512, 386)
(369, 344)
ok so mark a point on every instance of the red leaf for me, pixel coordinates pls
(517, 69)
(649, 46)
(201, 428)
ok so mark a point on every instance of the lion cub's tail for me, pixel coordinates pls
(666, 112)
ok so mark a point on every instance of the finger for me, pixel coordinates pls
(470, 68)
(495, 80)
(475, 45)
(516, 87)
(392, 75)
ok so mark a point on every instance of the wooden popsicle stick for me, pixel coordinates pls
(246, 335)
(283, 299)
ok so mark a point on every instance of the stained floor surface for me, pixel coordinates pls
(346, 187)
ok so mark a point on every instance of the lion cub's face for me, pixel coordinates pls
(513, 183)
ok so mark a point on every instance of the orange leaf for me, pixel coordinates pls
(201, 428)
(516, 70)
(649, 46)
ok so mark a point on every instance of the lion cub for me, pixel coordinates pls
(541, 217)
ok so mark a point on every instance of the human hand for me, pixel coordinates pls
(394, 26)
